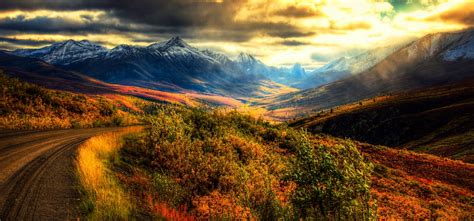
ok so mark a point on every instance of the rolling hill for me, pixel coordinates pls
(28, 106)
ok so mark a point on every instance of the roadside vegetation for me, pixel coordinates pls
(195, 163)
(28, 106)
(103, 196)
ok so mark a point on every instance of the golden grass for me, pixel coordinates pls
(104, 197)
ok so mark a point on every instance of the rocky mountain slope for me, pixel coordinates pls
(345, 66)
(435, 59)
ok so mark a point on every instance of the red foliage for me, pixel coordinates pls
(408, 185)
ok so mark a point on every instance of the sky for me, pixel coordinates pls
(278, 32)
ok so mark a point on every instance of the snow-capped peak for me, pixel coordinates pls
(219, 57)
(64, 52)
(77, 45)
(175, 41)
(245, 58)
(123, 50)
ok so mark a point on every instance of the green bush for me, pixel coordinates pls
(332, 182)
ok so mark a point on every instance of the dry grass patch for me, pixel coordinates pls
(104, 197)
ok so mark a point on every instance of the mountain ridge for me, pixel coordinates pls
(172, 65)
(420, 64)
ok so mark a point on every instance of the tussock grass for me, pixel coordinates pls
(104, 197)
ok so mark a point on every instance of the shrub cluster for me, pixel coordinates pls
(222, 164)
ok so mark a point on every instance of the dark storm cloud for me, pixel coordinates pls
(25, 42)
(293, 43)
(51, 25)
(7, 5)
(181, 13)
(299, 12)
(43, 25)
(461, 14)
(183, 17)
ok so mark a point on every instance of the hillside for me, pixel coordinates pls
(438, 120)
(200, 164)
(435, 59)
(28, 106)
(408, 185)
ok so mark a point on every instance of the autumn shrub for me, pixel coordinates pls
(221, 164)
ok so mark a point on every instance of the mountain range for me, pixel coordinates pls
(434, 59)
(172, 66)
(175, 66)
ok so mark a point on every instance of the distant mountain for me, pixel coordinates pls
(435, 59)
(34, 70)
(64, 53)
(172, 65)
(345, 66)
(287, 76)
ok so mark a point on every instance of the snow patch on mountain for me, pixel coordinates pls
(464, 49)
(64, 53)
(359, 63)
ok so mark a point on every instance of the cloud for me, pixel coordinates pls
(462, 13)
(299, 11)
(349, 26)
(28, 42)
(293, 43)
(323, 57)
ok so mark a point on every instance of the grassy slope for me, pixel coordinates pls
(409, 185)
(27, 106)
(439, 121)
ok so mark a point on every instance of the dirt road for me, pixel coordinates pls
(37, 173)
